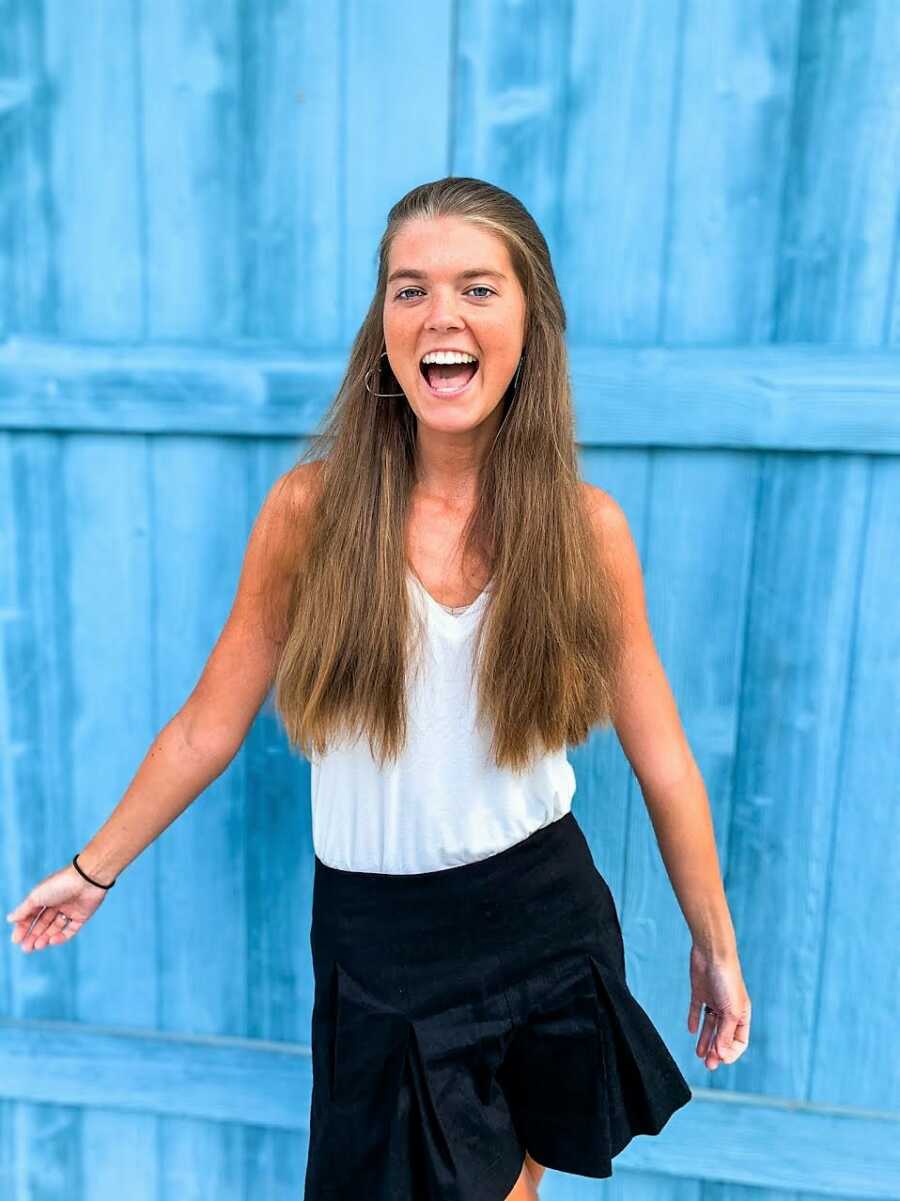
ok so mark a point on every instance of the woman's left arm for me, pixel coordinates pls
(649, 729)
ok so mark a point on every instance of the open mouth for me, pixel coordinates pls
(448, 379)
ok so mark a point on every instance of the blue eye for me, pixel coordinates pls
(475, 288)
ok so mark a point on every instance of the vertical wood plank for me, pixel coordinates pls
(92, 93)
(292, 171)
(859, 978)
(731, 151)
(396, 65)
(623, 79)
(806, 559)
(812, 546)
(104, 518)
(510, 100)
(199, 528)
(837, 271)
(189, 76)
(39, 825)
(13, 619)
(93, 143)
(28, 269)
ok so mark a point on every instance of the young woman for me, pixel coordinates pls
(443, 606)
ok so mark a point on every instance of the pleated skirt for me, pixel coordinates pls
(466, 1015)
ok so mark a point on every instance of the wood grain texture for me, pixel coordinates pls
(799, 397)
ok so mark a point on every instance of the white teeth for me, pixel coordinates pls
(448, 356)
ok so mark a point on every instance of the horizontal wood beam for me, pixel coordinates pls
(723, 1136)
(798, 397)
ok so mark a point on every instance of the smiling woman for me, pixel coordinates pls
(481, 308)
(461, 476)
(454, 625)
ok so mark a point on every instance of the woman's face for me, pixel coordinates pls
(451, 286)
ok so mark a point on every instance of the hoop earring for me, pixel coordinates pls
(381, 395)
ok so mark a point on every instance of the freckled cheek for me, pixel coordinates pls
(496, 348)
(401, 344)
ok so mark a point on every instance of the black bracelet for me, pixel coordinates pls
(89, 880)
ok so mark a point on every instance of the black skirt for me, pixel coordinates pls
(466, 1015)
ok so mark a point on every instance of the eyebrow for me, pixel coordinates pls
(411, 273)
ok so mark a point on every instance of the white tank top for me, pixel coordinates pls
(444, 801)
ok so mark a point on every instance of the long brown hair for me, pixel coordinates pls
(548, 646)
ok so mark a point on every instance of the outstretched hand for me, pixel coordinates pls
(719, 985)
(38, 920)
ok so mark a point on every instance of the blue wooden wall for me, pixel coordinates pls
(190, 200)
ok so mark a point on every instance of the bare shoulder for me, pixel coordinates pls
(287, 506)
(278, 537)
(296, 489)
(616, 547)
(607, 518)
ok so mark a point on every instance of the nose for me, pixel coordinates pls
(442, 312)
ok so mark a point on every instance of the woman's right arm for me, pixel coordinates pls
(200, 740)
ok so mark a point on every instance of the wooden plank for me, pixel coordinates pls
(395, 135)
(92, 142)
(192, 168)
(797, 657)
(199, 505)
(837, 280)
(185, 1078)
(859, 976)
(292, 171)
(732, 145)
(90, 282)
(37, 1148)
(610, 237)
(188, 65)
(766, 1141)
(26, 213)
(38, 810)
(510, 100)
(105, 523)
(14, 100)
(797, 397)
(14, 739)
(802, 626)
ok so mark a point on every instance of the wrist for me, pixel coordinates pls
(98, 875)
(719, 950)
(715, 939)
